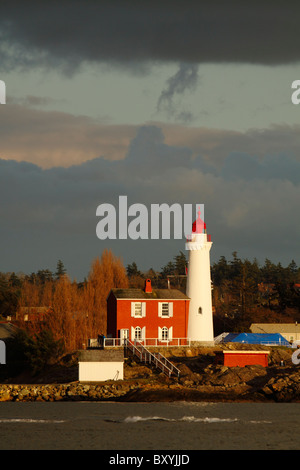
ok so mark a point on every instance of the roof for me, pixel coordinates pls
(6, 330)
(251, 351)
(275, 327)
(156, 294)
(256, 338)
(33, 309)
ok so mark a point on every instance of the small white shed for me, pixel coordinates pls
(101, 364)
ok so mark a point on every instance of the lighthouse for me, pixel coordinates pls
(198, 288)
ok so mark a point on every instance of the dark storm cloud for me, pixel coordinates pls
(67, 34)
(185, 79)
(51, 213)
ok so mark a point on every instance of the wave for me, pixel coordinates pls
(29, 420)
(190, 419)
(187, 419)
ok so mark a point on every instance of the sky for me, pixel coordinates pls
(165, 102)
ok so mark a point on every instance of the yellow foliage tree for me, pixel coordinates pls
(75, 313)
(105, 274)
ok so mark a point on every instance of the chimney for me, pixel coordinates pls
(148, 287)
(169, 287)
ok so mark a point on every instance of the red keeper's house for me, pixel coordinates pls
(159, 316)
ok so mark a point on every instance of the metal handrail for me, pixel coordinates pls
(143, 353)
(166, 361)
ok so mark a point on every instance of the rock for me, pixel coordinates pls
(200, 379)
(266, 390)
(189, 353)
(188, 383)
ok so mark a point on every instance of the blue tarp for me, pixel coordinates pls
(270, 339)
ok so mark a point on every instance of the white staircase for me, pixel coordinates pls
(157, 359)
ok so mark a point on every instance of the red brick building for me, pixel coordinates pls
(159, 316)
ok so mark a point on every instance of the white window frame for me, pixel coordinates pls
(142, 333)
(161, 308)
(165, 333)
(134, 308)
(165, 337)
(138, 333)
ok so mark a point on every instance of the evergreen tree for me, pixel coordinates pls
(132, 270)
(180, 263)
(60, 269)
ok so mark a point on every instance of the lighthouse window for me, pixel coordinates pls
(200, 310)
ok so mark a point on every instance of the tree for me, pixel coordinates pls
(132, 270)
(44, 275)
(60, 269)
(8, 298)
(220, 271)
(180, 263)
(44, 350)
(32, 351)
(105, 274)
(168, 269)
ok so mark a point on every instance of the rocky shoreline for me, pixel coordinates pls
(241, 384)
(200, 380)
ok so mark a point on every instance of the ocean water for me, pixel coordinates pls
(174, 426)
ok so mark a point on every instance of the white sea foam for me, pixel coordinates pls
(136, 419)
(29, 420)
(191, 419)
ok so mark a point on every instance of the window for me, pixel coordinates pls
(138, 333)
(138, 309)
(164, 333)
(199, 310)
(165, 309)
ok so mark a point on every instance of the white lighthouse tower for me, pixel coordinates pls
(198, 288)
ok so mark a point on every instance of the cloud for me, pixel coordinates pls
(51, 213)
(68, 35)
(214, 145)
(270, 167)
(186, 78)
(52, 138)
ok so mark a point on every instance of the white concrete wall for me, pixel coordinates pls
(100, 371)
